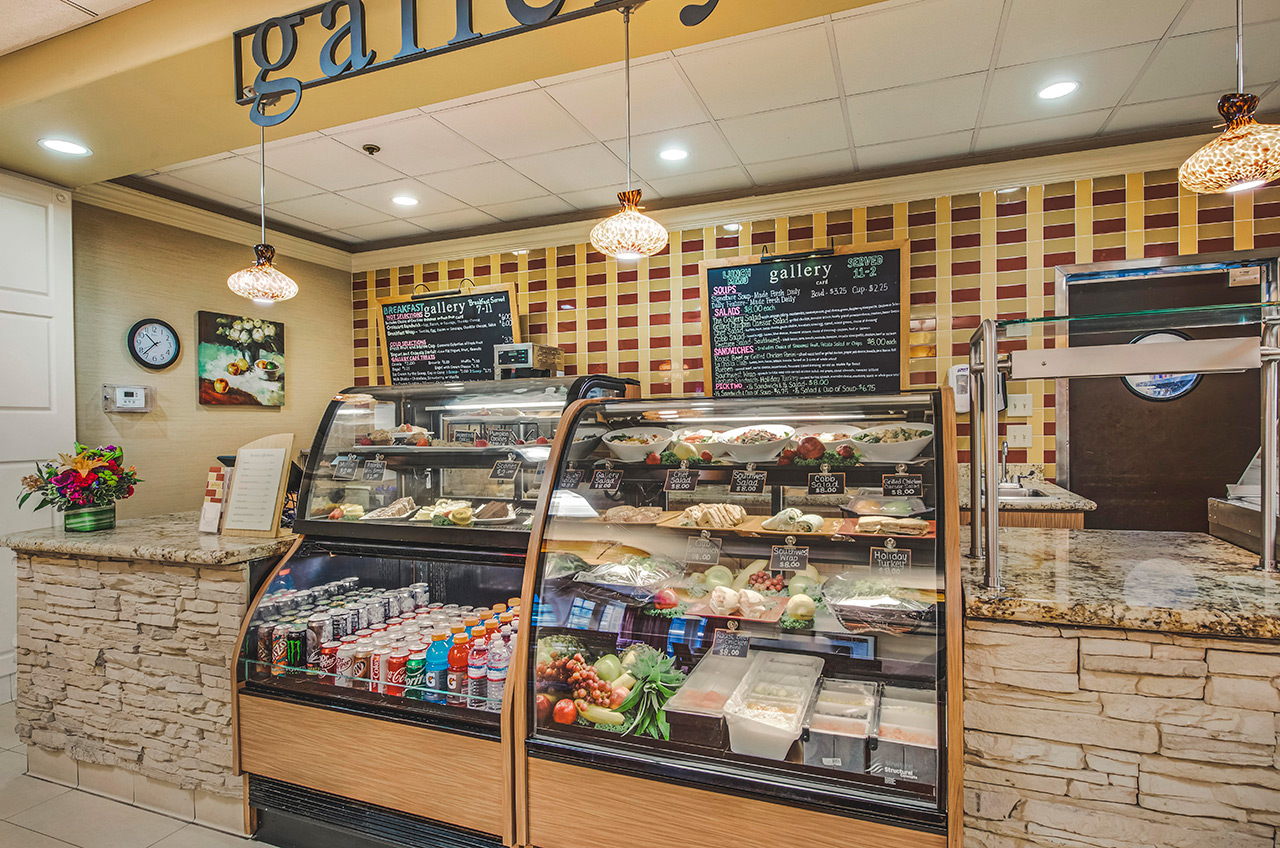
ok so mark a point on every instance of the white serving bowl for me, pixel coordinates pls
(659, 439)
(831, 444)
(893, 451)
(762, 452)
(586, 440)
(715, 448)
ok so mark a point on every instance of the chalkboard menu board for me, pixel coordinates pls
(832, 323)
(445, 338)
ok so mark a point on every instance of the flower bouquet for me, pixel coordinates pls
(85, 486)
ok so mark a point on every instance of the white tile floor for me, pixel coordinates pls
(37, 814)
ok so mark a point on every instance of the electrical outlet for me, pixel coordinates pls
(1018, 435)
(1019, 406)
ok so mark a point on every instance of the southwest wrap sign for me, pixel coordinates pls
(445, 338)
(820, 323)
(348, 51)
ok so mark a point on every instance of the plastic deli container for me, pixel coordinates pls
(696, 711)
(766, 712)
(839, 725)
(906, 744)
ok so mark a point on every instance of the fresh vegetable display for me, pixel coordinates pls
(844, 456)
(657, 679)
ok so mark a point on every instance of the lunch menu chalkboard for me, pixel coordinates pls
(832, 323)
(445, 338)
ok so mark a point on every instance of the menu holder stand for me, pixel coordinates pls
(256, 494)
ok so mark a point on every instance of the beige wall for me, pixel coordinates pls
(127, 269)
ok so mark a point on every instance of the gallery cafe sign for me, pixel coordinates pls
(273, 44)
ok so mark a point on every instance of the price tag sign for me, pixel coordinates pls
(747, 483)
(505, 469)
(466, 437)
(730, 643)
(344, 467)
(374, 469)
(571, 479)
(903, 485)
(703, 551)
(789, 558)
(501, 438)
(890, 559)
(826, 484)
(606, 480)
(680, 480)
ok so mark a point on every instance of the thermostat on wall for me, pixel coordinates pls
(127, 398)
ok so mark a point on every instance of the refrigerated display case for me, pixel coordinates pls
(364, 699)
(743, 626)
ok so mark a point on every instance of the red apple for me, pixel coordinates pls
(543, 705)
(565, 712)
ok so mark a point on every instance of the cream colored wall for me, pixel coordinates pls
(126, 269)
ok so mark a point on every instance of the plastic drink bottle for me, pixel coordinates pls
(477, 670)
(499, 660)
(436, 678)
(457, 672)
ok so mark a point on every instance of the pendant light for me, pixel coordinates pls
(261, 282)
(629, 235)
(1247, 154)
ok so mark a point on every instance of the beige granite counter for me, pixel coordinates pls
(173, 537)
(1189, 583)
(1058, 500)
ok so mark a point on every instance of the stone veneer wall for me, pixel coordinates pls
(127, 664)
(1119, 739)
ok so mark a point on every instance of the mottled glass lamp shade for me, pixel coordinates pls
(1245, 156)
(261, 282)
(630, 234)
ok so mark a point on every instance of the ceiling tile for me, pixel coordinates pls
(379, 197)
(915, 111)
(493, 182)
(35, 20)
(1060, 128)
(240, 177)
(371, 123)
(801, 167)
(607, 197)
(415, 146)
(216, 157)
(108, 7)
(877, 156)
(385, 230)
(1216, 14)
(169, 181)
(1044, 29)
(798, 131)
(761, 74)
(707, 152)
(523, 209)
(948, 38)
(724, 179)
(1204, 63)
(660, 100)
(275, 219)
(479, 97)
(1164, 113)
(574, 169)
(463, 219)
(515, 125)
(1104, 77)
(341, 236)
(330, 211)
(328, 164)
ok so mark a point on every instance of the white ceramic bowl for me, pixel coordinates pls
(715, 448)
(585, 442)
(831, 444)
(657, 439)
(893, 451)
(761, 452)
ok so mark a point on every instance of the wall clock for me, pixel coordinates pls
(153, 344)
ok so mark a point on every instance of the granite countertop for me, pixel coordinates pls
(1189, 583)
(173, 537)
(1058, 500)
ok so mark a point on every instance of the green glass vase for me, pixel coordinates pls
(86, 519)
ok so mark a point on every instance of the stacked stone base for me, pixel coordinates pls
(1094, 738)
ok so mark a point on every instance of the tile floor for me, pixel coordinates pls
(37, 814)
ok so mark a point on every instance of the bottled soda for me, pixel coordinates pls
(437, 669)
(457, 674)
(477, 670)
(499, 660)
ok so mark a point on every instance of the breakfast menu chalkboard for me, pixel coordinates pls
(828, 323)
(445, 338)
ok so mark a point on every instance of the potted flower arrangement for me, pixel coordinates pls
(83, 486)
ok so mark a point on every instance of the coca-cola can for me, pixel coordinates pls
(395, 675)
(344, 665)
(379, 669)
(319, 631)
(328, 661)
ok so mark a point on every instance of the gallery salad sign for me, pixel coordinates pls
(338, 31)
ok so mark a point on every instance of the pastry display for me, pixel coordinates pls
(633, 515)
(792, 520)
(723, 601)
(712, 516)
(347, 512)
(752, 604)
(445, 512)
(495, 511)
(889, 526)
(396, 509)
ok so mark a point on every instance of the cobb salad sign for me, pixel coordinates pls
(445, 338)
(818, 323)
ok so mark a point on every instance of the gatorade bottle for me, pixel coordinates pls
(477, 670)
(436, 679)
(457, 673)
(491, 627)
(499, 660)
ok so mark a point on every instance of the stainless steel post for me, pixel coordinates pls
(1270, 383)
(990, 444)
(975, 445)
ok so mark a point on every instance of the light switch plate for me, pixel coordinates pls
(1019, 435)
(1019, 406)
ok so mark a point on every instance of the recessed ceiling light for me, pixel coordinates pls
(674, 154)
(733, 228)
(61, 145)
(1058, 89)
(404, 200)
(1245, 186)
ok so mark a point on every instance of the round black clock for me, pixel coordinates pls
(153, 344)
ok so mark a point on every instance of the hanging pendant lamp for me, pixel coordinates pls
(1247, 154)
(261, 282)
(629, 235)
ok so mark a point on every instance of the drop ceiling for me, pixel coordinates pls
(884, 87)
(27, 22)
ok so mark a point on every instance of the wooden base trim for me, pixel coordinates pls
(1035, 518)
(954, 566)
(442, 776)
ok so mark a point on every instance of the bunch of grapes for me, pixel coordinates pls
(764, 581)
(576, 673)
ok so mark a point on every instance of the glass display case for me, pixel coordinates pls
(749, 596)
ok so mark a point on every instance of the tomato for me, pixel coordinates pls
(653, 459)
(542, 440)
(424, 443)
(565, 712)
(482, 443)
(845, 451)
(665, 599)
(705, 456)
(788, 453)
(543, 706)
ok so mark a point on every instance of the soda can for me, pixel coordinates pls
(415, 672)
(338, 621)
(363, 633)
(264, 643)
(378, 668)
(344, 665)
(397, 672)
(360, 667)
(319, 631)
(379, 609)
(378, 627)
(329, 661)
(395, 621)
(296, 647)
(279, 648)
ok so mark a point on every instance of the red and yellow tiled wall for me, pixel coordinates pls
(990, 254)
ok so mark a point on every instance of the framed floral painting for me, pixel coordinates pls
(239, 360)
